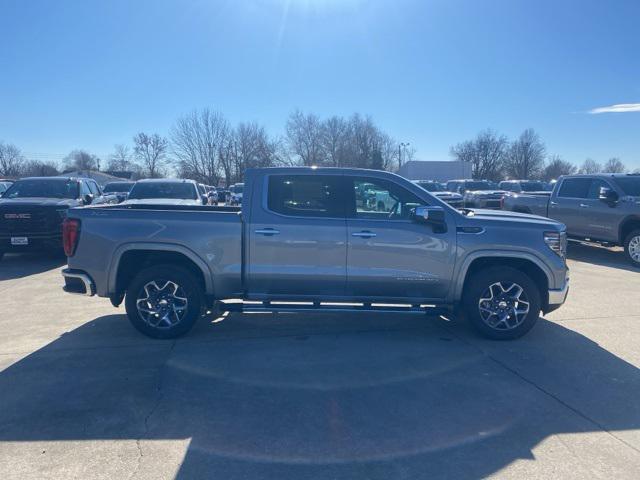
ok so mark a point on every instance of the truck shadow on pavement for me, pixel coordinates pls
(14, 266)
(597, 255)
(331, 396)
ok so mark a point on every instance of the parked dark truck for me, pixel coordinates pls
(601, 208)
(308, 239)
(32, 210)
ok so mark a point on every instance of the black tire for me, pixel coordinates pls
(507, 328)
(635, 237)
(188, 287)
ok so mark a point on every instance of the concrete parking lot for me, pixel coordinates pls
(83, 395)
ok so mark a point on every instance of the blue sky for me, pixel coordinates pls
(89, 74)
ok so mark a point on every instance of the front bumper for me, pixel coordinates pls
(557, 297)
(490, 203)
(37, 242)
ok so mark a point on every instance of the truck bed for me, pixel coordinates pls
(210, 236)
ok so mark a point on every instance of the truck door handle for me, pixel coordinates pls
(584, 205)
(553, 204)
(363, 234)
(267, 231)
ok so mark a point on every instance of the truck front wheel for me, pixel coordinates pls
(164, 301)
(632, 247)
(501, 303)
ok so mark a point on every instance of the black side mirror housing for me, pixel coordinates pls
(87, 199)
(434, 216)
(608, 195)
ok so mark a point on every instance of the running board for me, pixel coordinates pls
(277, 306)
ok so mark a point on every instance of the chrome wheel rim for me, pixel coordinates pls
(503, 306)
(634, 249)
(162, 304)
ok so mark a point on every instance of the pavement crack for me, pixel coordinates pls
(152, 410)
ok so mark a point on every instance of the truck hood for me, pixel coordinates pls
(446, 194)
(503, 215)
(162, 201)
(480, 193)
(39, 202)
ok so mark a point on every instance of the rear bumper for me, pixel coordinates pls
(78, 282)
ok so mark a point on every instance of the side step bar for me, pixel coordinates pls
(282, 306)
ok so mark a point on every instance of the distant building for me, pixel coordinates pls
(127, 175)
(439, 171)
(100, 177)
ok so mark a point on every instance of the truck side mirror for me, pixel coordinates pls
(430, 215)
(87, 199)
(608, 195)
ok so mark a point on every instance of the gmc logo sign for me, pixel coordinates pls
(12, 216)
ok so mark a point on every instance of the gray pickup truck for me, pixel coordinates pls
(601, 208)
(308, 239)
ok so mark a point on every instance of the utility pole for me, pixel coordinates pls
(401, 146)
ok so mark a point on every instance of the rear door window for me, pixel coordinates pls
(575, 188)
(305, 195)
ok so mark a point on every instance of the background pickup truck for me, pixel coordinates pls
(310, 239)
(601, 208)
(32, 210)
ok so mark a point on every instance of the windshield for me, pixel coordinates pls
(117, 187)
(44, 188)
(172, 190)
(430, 186)
(477, 186)
(629, 185)
(532, 186)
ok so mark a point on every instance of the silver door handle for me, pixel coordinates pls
(267, 231)
(584, 205)
(553, 203)
(363, 234)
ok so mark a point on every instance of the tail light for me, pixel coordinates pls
(70, 235)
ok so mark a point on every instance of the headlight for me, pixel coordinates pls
(556, 241)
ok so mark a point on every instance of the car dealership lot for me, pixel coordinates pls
(83, 395)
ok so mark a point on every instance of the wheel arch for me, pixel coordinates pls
(128, 259)
(538, 271)
(628, 225)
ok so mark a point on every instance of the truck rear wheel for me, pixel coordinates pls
(164, 301)
(501, 303)
(632, 247)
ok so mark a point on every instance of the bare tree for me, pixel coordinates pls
(81, 160)
(590, 166)
(304, 138)
(614, 165)
(199, 142)
(120, 159)
(151, 150)
(486, 153)
(38, 168)
(558, 167)
(11, 160)
(253, 148)
(335, 135)
(525, 156)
